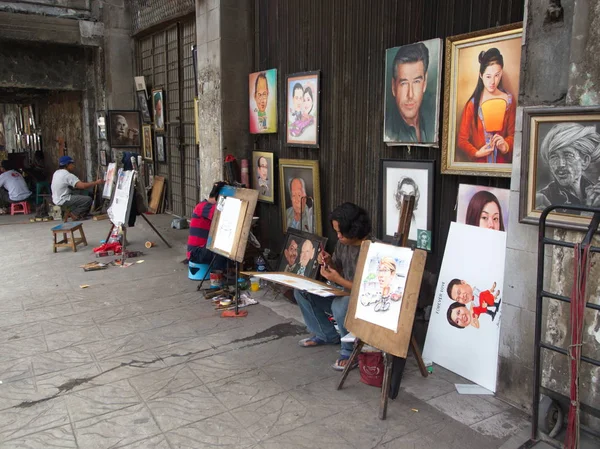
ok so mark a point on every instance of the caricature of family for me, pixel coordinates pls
(459, 314)
(302, 115)
(383, 291)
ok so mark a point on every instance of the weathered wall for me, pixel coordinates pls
(42, 66)
(60, 117)
(558, 50)
(72, 9)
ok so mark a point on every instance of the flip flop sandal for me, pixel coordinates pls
(336, 366)
(311, 342)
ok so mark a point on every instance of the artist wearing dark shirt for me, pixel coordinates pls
(353, 226)
(200, 227)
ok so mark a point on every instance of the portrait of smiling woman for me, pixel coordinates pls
(484, 207)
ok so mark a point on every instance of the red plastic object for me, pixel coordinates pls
(20, 208)
(371, 368)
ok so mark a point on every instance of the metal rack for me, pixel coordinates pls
(541, 294)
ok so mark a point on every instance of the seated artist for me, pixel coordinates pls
(13, 188)
(199, 228)
(353, 226)
(63, 183)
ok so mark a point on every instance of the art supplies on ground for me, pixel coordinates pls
(94, 266)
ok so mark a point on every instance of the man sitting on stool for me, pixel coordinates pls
(64, 181)
(199, 228)
(13, 188)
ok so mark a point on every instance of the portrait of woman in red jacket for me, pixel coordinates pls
(487, 126)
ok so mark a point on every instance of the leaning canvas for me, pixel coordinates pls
(382, 285)
(464, 327)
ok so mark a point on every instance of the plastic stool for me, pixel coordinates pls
(20, 208)
(198, 271)
(40, 187)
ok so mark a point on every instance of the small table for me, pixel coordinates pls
(72, 242)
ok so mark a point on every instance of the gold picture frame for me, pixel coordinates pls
(147, 141)
(290, 170)
(463, 62)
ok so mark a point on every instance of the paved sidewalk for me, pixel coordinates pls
(140, 360)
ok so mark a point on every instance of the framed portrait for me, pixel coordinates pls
(400, 178)
(143, 106)
(147, 141)
(263, 101)
(140, 83)
(124, 129)
(101, 123)
(158, 108)
(300, 195)
(560, 164)
(161, 155)
(412, 94)
(485, 207)
(300, 251)
(262, 175)
(481, 87)
(103, 159)
(302, 109)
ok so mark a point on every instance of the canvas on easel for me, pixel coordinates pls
(230, 227)
(119, 210)
(362, 324)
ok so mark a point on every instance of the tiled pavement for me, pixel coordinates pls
(139, 360)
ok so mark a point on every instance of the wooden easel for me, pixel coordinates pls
(393, 366)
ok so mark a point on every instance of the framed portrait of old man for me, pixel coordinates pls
(262, 89)
(412, 94)
(560, 164)
(481, 87)
(124, 129)
(300, 195)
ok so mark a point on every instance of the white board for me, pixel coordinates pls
(230, 208)
(118, 212)
(382, 285)
(476, 256)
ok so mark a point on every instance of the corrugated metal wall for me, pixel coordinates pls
(346, 40)
(164, 58)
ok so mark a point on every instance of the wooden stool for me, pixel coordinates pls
(69, 228)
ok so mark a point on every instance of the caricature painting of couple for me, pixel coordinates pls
(302, 110)
(467, 307)
(382, 285)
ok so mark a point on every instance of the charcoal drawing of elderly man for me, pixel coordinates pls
(570, 150)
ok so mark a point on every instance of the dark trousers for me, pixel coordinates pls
(203, 255)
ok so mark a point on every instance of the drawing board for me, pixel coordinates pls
(375, 331)
(119, 210)
(230, 227)
(299, 282)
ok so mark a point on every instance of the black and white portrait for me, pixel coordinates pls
(568, 165)
(124, 128)
(262, 175)
(401, 179)
(560, 164)
(160, 149)
(143, 106)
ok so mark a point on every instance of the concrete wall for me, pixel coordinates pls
(557, 69)
(225, 50)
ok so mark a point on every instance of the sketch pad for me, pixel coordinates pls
(299, 282)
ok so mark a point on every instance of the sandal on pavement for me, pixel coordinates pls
(340, 364)
(311, 341)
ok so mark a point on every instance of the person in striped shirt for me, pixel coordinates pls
(199, 228)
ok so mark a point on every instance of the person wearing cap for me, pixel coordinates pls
(13, 187)
(570, 149)
(63, 183)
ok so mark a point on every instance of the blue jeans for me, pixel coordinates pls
(313, 308)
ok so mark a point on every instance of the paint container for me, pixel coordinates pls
(149, 244)
(254, 284)
(216, 279)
